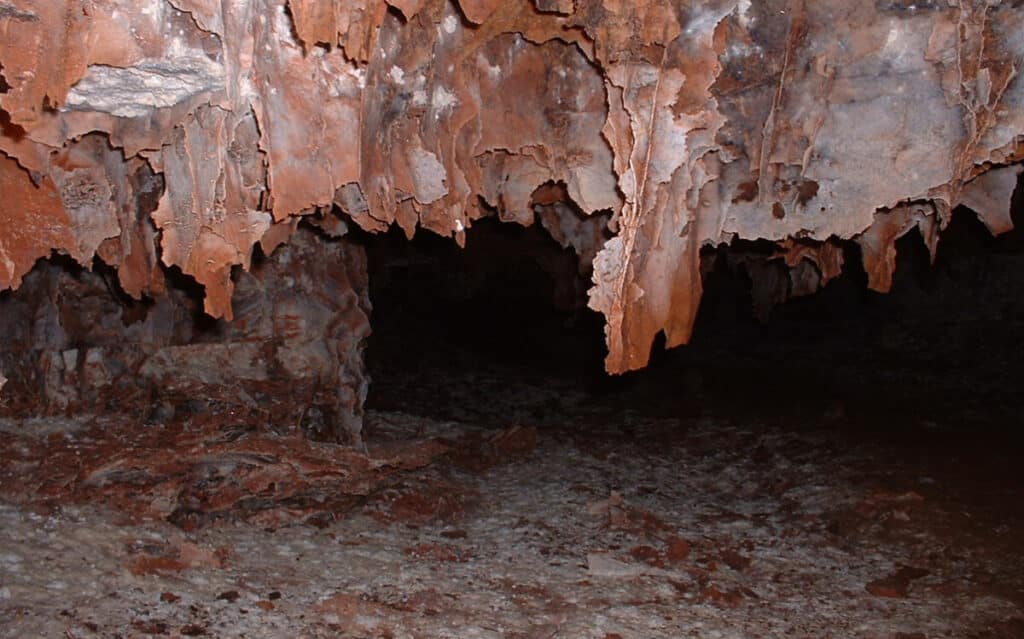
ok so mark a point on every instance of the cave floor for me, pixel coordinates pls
(593, 521)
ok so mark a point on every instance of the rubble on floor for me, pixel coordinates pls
(610, 525)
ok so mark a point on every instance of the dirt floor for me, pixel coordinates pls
(588, 521)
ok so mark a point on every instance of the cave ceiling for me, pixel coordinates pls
(693, 123)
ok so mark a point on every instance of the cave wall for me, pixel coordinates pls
(75, 342)
(694, 123)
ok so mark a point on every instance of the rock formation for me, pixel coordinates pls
(692, 123)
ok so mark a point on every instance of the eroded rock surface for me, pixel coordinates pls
(694, 123)
(300, 323)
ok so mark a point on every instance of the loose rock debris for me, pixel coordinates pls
(782, 533)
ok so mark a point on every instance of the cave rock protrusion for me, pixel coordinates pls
(693, 123)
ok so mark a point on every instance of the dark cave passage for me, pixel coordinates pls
(499, 332)
(510, 295)
(503, 314)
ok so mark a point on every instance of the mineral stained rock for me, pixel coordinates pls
(692, 123)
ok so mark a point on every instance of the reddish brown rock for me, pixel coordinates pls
(156, 565)
(678, 550)
(735, 560)
(720, 598)
(692, 123)
(896, 585)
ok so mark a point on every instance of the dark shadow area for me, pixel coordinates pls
(499, 316)
(488, 334)
(940, 354)
(495, 298)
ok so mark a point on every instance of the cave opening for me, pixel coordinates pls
(481, 331)
(498, 332)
